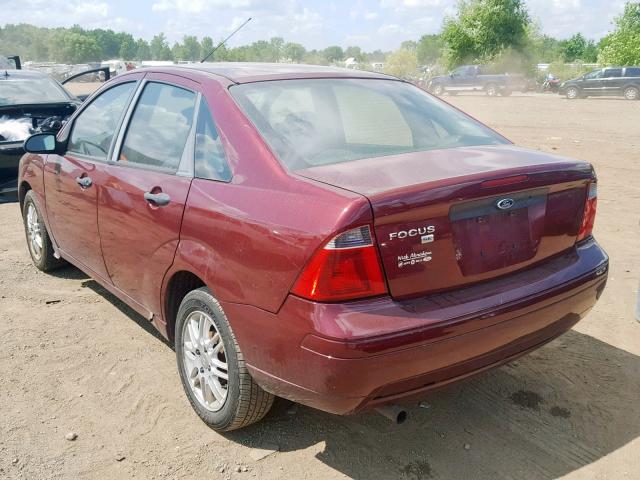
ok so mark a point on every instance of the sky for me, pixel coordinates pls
(370, 24)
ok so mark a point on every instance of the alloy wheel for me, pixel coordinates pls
(34, 232)
(204, 361)
(572, 93)
(631, 93)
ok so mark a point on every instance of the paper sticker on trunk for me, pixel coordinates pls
(413, 258)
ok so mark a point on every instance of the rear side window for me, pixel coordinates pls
(632, 72)
(210, 159)
(613, 73)
(95, 126)
(318, 122)
(159, 127)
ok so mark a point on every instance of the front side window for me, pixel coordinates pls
(310, 123)
(159, 127)
(593, 75)
(210, 159)
(95, 126)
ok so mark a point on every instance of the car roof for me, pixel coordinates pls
(241, 72)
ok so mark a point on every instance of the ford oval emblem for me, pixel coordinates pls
(505, 203)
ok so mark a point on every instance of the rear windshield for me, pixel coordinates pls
(15, 90)
(320, 122)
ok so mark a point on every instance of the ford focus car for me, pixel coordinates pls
(339, 238)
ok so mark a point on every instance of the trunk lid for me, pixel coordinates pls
(448, 218)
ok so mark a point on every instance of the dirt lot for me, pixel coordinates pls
(74, 359)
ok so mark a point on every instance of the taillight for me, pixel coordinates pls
(346, 268)
(589, 215)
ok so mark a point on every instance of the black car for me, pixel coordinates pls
(611, 81)
(30, 102)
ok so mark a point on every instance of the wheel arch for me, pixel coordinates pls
(178, 285)
(22, 192)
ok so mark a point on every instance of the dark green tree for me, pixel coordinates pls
(160, 48)
(294, 51)
(429, 49)
(333, 54)
(483, 28)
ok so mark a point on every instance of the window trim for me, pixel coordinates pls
(72, 127)
(224, 150)
(186, 167)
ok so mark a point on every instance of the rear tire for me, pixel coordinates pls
(38, 240)
(207, 351)
(631, 93)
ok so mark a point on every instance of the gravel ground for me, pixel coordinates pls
(89, 390)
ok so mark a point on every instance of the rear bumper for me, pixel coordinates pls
(343, 358)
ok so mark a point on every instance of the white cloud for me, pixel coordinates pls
(197, 6)
(390, 29)
(54, 13)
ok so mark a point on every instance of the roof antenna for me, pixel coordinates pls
(225, 41)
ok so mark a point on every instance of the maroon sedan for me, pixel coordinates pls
(339, 238)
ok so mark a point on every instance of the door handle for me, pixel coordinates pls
(84, 182)
(159, 199)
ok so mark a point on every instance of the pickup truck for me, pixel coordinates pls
(471, 78)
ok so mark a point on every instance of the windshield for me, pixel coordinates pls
(17, 90)
(320, 122)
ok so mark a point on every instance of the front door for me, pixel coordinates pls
(140, 207)
(592, 83)
(72, 180)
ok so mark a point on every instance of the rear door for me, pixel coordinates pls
(72, 180)
(612, 81)
(141, 204)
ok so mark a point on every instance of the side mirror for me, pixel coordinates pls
(40, 143)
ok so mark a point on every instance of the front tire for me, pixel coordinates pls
(437, 90)
(572, 93)
(631, 93)
(212, 368)
(491, 90)
(38, 240)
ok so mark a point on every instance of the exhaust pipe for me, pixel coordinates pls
(395, 413)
